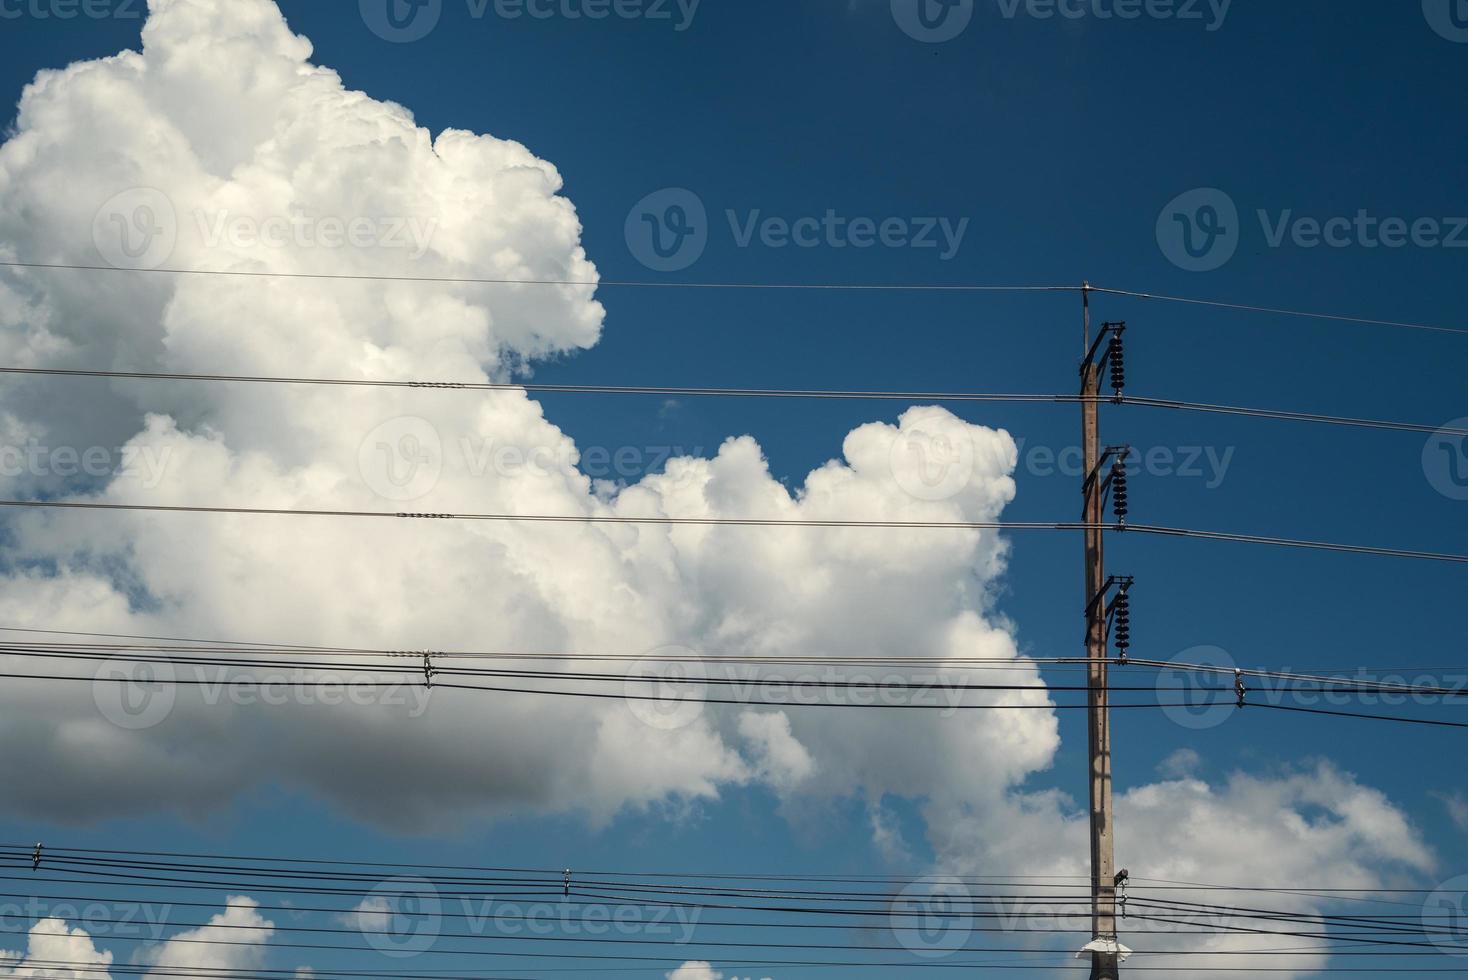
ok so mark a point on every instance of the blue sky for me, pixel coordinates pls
(1060, 142)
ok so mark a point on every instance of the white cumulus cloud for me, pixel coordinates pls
(220, 146)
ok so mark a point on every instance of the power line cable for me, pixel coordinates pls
(1303, 314)
(677, 284)
(1174, 532)
(487, 281)
(727, 392)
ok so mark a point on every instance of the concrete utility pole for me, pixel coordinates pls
(1105, 961)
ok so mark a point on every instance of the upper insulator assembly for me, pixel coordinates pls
(1116, 355)
(1119, 502)
(1121, 611)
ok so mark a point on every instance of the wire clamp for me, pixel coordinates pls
(1239, 687)
(36, 857)
(428, 670)
(566, 883)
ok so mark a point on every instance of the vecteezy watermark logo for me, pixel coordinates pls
(113, 919)
(400, 918)
(136, 229)
(934, 458)
(667, 688)
(146, 464)
(1448, 17)
(1445, 916)
(411, 234)
(933, 21)
(1209, 465)
(668, 230)
(135, 696)
(1199, 230)
(401, 459)
(401, 21)
(72, 9)
(1183, 11)
(1445, 460)
(1198, 699)
(932, 917)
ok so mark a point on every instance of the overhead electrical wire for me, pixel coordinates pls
(1339, 685)
(727, 392)
(794, 286)
(668, 654)
(1386, 935)
(1273, 311)
(492, 281)
(1152, 529)
(227, 655)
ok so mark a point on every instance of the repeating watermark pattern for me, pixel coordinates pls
(404, 917)
(937, 21)
(405, 21)
(933, 21)
(669, 687)
(669, 229)
(73, 9)
(1201, 230)
(145, 464)
(401, 918)
(136, 229)
(1209, 698)
(1449, 18)
(1191, 698)
(405, 458)
(934, 460)
(139, 228)
(1445, 916)
(401, 21)
(402, 459)
(932, 917)
(137, 696)
(1207, 464)
(105, 919)
(1211, 14)
(1445, 460)
(410, 234)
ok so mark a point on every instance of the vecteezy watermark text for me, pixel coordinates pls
(1209, 464)
(410, 234)
(937, 21)
(404, 917)
(117, 920)
(140, 228)
(669, 687)
(668, 230)
(405, 21)
(72, 9)
(1202, 229)
(1199, 689)
(146, 464)
(136, 696)
(405, 458)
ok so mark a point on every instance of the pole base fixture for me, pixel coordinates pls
(1105, 946)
